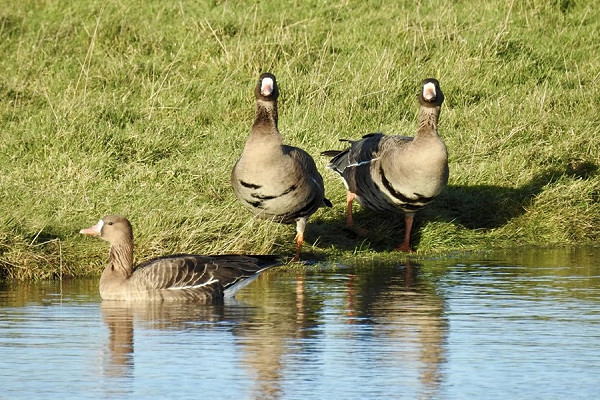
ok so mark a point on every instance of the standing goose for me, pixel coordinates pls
(388, 173)
(183, 277)
(275, 181)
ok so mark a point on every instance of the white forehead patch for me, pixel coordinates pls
(99, 226)
(266, 86)
(429, 91)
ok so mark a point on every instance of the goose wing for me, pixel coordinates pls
(210, 274)
(370, 147)
(309, 181)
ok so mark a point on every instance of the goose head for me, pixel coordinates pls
(266, 89)
(431, 94)
(112, 228)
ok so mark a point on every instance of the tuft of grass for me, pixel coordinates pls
(142, 109)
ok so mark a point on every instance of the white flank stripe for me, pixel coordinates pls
(361, 163)
(239, 285)
(210, 282)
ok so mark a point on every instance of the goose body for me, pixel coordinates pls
(273, 180)
(180, 277)
(397, 173)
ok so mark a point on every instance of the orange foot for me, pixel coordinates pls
(405, 248)
(299, 241)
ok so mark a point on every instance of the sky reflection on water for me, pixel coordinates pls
(500, 325)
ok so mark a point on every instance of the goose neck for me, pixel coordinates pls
(266, 113)
(428, 120)
(120, 260)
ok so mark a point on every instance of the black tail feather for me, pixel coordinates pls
(331, 153)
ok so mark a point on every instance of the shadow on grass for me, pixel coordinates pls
(478, 207)
(489, 206)
(485, 206)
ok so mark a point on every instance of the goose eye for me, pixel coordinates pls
(110, 223)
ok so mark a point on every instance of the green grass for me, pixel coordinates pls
(141, 108)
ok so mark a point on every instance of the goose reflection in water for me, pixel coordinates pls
(405, 312)
(119, 320)
(297, 326)
(300, 331)
(261, 332)
(287, 319)
(121, 316)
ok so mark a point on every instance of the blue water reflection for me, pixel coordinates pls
(484, 326)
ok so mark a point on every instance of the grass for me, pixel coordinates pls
(141, 108)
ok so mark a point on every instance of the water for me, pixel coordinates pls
(492, 326)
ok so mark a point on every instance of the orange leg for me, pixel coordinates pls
(299, 241)
(349, 199)
(349, 220)
(408, 222)
(300, 227)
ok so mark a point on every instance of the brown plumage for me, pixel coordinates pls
(390, 173)
(275, 181)
(182, 277)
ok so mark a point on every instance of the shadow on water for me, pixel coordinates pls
(21, 294)
(565, 274)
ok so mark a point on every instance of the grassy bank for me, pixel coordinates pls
(141, 108)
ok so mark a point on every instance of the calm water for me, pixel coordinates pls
(492, 326)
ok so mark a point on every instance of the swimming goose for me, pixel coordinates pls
(388, 173)
(275, 181)
(183, 277)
